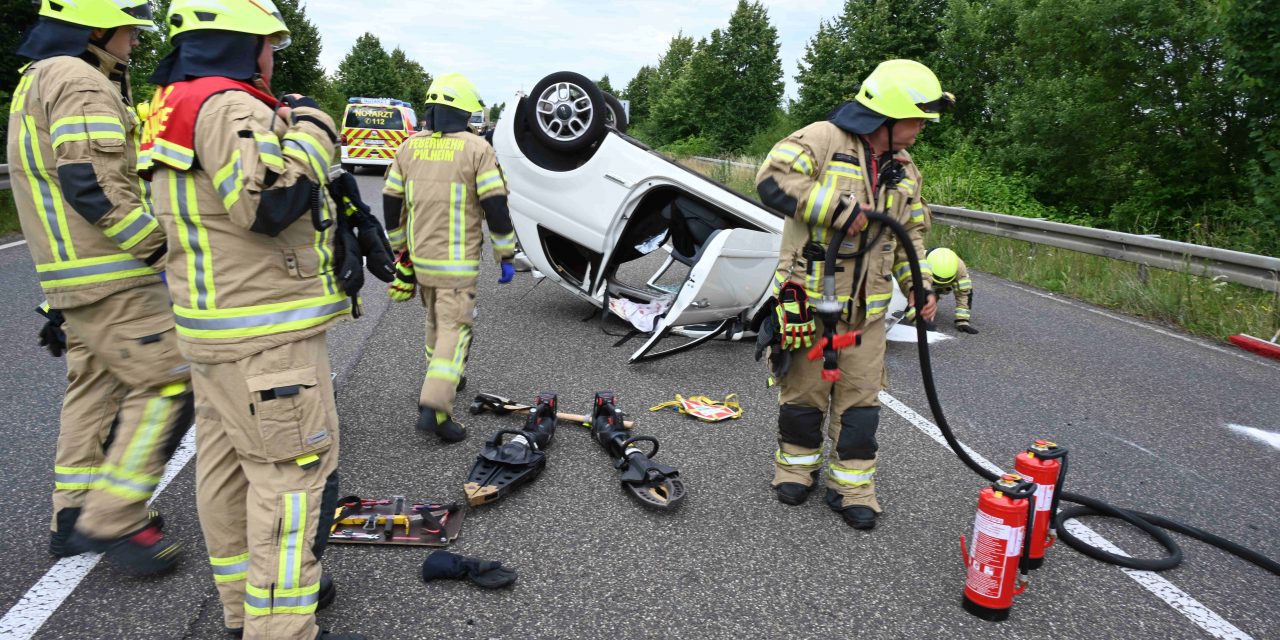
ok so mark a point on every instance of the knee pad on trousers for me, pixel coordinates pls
(858, 433)
(182, 421)
(800, 425)
(328, 505)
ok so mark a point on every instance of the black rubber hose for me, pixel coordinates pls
(1151, 524)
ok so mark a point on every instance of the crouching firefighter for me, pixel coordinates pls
(824, 177)
(443, 182)
(239, 183)
(98, 255)
(950, 275)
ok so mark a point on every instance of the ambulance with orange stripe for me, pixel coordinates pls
(372, 130)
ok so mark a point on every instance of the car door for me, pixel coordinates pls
(731, 274)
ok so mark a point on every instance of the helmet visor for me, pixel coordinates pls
(942, 104)
(279, 40)
(144, 14)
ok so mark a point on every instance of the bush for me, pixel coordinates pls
(697, 145)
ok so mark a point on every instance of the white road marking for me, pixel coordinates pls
(1200, 343)
(41, 600)
(904, 333)
(12, 244)
(1179, 600)
(1270, 437)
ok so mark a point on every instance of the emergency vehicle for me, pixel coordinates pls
(372, 130)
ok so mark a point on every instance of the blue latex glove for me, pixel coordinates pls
(508, 272)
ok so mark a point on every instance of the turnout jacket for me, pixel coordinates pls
(805, 176)
(963, 288)
(439, 188)
(248, 268)
(72, 166)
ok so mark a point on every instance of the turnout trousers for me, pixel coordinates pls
(450, 314)
(128, 403)
(267, 450)
(852, 408)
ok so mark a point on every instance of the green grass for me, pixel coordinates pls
(8, 214)
(1198, 305)
(1202, 306)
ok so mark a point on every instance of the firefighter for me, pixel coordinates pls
(823, 177)
(239, 185)
(443, 181)
(98, 255)
(950, 274)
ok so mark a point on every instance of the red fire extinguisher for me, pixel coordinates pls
(1043, 464)
(997, 550)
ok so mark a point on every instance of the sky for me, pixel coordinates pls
(505, 47)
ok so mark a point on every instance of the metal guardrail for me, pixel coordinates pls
(4, 176)
(1259, 272)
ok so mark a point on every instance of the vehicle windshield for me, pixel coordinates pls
(374, 118)
(477, 118)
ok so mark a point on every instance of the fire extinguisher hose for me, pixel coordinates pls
(1153, 525)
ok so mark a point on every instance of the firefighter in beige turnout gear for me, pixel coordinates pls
(443, 181)
(98, 255)
(823, 176)
(238, 183)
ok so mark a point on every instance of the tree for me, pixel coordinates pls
(1253, 58)
(411, 80)
(638, 92)
(730, 87)
(605, 85)
(297, 67)
(366, 70)
(745, 76)
(495, 111)
(845, 50)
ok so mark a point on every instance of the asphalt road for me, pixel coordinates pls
(1144, 410)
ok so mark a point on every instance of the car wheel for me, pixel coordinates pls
(566, 111)
(617, 116)
(349, 168)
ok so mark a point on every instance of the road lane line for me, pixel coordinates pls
(12, 244)
(1179, 600)
(41, 600)
(1200, 343)
(1270, 437)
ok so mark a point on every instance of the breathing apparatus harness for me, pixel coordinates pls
(1153, 525)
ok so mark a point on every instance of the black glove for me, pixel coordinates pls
(448, 565)
(964, 327)
(299, 101)
(372, 239)
(347, 265)
(52, 337)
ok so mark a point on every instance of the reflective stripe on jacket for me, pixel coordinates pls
(238, 291)
(71, 156)
(817, 167)
(442, 178)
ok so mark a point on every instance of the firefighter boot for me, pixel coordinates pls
(439, 423)
(795, 493)
(856, 516)
(142, 553)
(60, 538)
(328, 592)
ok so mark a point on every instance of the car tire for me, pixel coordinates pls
(349, 168)
(617, 115)
(566, 112)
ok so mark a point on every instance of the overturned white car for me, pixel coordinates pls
(589, 202)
